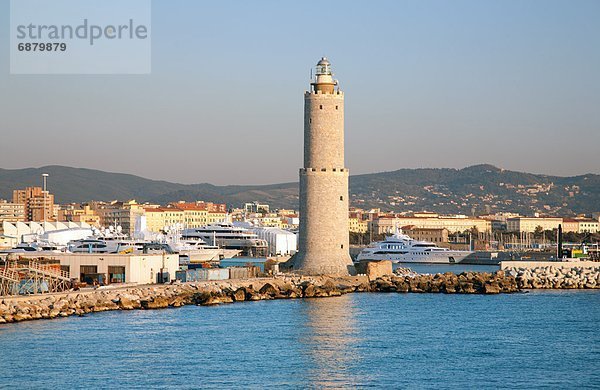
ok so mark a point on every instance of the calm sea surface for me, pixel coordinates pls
(534, 340)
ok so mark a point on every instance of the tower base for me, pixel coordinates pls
(320, 265)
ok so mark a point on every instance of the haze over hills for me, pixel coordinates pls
(477, 189)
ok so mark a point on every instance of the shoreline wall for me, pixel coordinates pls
(556, 276)
(556, 264)
(24, 308)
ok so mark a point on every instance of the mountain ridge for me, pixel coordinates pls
(476, 189)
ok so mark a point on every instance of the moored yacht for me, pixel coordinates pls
(199, 251)
(36, 246)
(227, 236)
(400, 248)
(93, 245)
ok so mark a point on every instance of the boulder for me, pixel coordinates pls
(21, 317)
(467, 288)
(239, 295)
(128, 304)
(269, 289)
(155, 303)
(309, 291)
(383, 285)
(491, 288)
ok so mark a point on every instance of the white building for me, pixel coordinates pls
(530, 224)
(29, 231)
(116, 268)
(281, 242)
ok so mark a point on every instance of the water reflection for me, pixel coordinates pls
(331, 342)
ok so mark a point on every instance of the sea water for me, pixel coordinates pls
(541, 339)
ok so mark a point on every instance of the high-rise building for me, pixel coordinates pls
(39, 204)
(324, 242)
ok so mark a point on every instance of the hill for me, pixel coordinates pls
(473, 190)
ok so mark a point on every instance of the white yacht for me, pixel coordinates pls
(227, 236)
(36, 246)
(92, 245)
(199, 251)
(400, 248)
(189, 251)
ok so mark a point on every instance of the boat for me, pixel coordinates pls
(93, 245)
(400, 248)
(36, 246)
(193, 251)
(227, 236)
(198, 250)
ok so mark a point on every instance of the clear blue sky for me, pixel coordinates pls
(428, 84)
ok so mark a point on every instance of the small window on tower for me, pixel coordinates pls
(310, 120)
(342, 246)
(341, 198)
(336, 107)
(321, 107)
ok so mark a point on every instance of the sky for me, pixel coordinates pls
(512, 83)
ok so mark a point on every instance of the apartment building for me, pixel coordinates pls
(454, 223)
(530, 224)
(12, 212)
(38, 204)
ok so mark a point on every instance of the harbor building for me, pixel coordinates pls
(116, 268)
(580, 225)
(589, 226)
(56, 232)
(323, 239)
(570, 225)
(530, 224)
(454, 223)
(436, 235)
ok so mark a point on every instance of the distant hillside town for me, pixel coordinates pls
(34, 207)
(475, 190)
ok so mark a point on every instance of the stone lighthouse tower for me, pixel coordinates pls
(323, 245)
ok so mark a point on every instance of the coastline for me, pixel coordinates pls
(147, 297)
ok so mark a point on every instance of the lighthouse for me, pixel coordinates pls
(323, 246)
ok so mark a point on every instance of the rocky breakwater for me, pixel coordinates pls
(23, 308)
(407, 281)
(16, 309)
(556, 277)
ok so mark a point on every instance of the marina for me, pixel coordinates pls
(197, 204)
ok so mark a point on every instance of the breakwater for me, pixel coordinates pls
(556, 277)
(449, 283)
(23, 308)
(510, 280)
